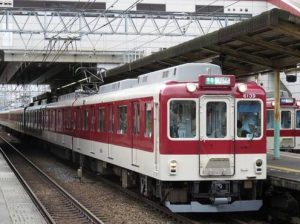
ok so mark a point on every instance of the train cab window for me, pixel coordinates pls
(182, 119)
(216, 121)
(298, 119)
(148, 120)
(136, 119)
(249, 117)
(85, 120)
(270, 119)
(101, 123)
(286, 119)
(122, 116)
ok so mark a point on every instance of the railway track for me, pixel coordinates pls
(55, 204)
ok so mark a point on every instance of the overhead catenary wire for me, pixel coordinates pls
(33, 60)
(209, 14)
(112, 5)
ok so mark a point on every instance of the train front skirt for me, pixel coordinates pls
(194, 206)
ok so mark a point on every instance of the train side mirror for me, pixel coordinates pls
(291, 78)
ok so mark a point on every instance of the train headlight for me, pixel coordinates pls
(298, 103)
(173, 167)
(191, 87)
(259, 162)
(242, 87)
(273, 103)
(258, 166)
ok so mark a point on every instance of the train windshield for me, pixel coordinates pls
(249, 115)
(182, 118)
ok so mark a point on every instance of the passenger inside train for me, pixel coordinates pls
(249, 119)
(182, 119)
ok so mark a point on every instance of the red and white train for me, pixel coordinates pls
(174, 133)
(290, 124)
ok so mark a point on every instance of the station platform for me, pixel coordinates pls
(15, 204)
(284, 172)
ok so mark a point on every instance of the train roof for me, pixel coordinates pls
(182, 73)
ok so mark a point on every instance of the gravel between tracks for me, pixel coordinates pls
(102, 200)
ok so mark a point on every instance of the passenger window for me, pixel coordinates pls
(101, 124)
(85, 120)
(182, 119)
(270, 119)
(298, 119)
(216, 121)
(148, 120)
(60, 120)
(286, 119)
(111, 119)
(136, 118)
(69, 119)
(122, 112)
(249, 119)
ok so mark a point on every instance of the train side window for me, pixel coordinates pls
(270, 119)
(93, 121)
(69, 119)
(52, 122)
(286, 119)
(111, 119)
(249, 119)
(46, 120)
(148, 120)
(59, 120)
(122, 116)
(78, 119)
(85, 120)
(101, 121)
(136, 118)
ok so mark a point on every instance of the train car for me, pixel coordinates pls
(186, 135)
(290, 124)
(13, 119)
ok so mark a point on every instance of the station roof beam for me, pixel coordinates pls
(270, 41)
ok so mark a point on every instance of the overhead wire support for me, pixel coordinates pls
(94, 76)
(91, 23)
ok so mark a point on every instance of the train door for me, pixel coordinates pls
(136, 129)
(217, 154)
(110, 130)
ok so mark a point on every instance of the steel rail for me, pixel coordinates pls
(68, 196)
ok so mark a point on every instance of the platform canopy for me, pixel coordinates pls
(269, 41)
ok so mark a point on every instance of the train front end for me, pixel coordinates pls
(213, 145)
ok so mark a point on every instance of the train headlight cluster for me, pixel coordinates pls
(258, 166)
(242, 87)
(173, 167)
(191, 87)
